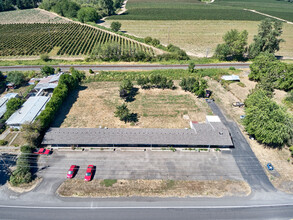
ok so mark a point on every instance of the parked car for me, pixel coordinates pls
(43, 151)
(270, 166)
(89, 173)
(71, 172)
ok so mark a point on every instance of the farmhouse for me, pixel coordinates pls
(28, 112)
(49, 82)
(3, 102)
(209, 134)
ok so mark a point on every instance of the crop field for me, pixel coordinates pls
(196, 10)
(95, 104)
(29, 16)
(62, 38)
(200, 38)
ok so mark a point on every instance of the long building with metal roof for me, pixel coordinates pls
(28, 112)
(211, 134)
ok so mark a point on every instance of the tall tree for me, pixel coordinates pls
(268, 38)
(107, 6)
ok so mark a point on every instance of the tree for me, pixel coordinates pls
(107, 6)
(45, 57)
(234, 46)
(11, 106)
(2, 82)
(87, 14)
(115, 26)
(148, 40)
(266, 121)
(47, 70)
(122, 112)
(16, 77)
(31, 132)
(127, 85)
(268, 38)
(155, 42)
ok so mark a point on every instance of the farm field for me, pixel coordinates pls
(95, 104)
(200, 37)
(58, 39)
(196, 10)
(30, 16)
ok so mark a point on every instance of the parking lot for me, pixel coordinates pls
(142, 165)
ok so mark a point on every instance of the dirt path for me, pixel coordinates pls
(270, 16)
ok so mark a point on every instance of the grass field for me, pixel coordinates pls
(95, 105)
(196, 10)
(29, 16)
(199, 37)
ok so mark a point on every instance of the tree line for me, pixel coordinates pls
(235, 46)
(8, 5)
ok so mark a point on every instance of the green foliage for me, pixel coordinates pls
(266, 121)
(155, 81)
(16, 77)
(234, 46)
(91, 71)
(194, 85)
(45, 57)
(175, 54)
(155, 42)
(115, 52)
(47, 70)
(3, 142)
(191, 66)
(126, 85)
(122, 112)
(108, 182)
(12, 105)
(16, 39)
(107, 6)
(88, 14)
(115, 26)
(268, 38)
(27, 149)
(7, 5)
(66, 8)
(148, 40)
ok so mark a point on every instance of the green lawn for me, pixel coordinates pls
(196, 10)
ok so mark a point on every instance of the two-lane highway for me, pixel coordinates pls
(125, 67)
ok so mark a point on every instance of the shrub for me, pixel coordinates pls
(232, 68)
(3, 142)
(16, 77)
(12, 105)
(148, 40)
(155, 42)
(47, 70)
(115, 26)
(91, 71)
(88, 14)
(45, 57)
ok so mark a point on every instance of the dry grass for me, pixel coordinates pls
(29, 16)
(199, 37)
(154, 188)
(157, 108)
(19, 140)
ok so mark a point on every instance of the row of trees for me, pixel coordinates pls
(271, 73)
(155, 81)
(194, 85)
(236, 46)
(7, 5)
(267, 121)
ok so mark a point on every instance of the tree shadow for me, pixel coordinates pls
(131, 96)
(133, 117)
(8, 160)
(65, 108)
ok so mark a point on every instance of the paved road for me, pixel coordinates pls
(246, 160)
(147, 214)
(127, 67)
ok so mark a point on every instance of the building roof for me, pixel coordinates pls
(49, 82)
(213, 118)
(29, 111)
(231, 77)
(3, 102)
(137, 136)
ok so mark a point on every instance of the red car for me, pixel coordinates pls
(43, 151)
(71, 172)
(89, 173)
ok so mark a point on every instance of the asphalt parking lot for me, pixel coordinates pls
(142, 165)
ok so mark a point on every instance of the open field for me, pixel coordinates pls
(63, 39)
(154, 188)
(199, 38)
(29, 16)
(96, 103)
(196, 10)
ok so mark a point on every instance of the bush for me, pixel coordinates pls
(194, 85)
(45, 57)
(87, 14)
(191, 67)
(16, 77)
(148, 40)
(47, 70)
(91, 71)
(3, 142)
(115, 26)
(155, 81)
(155, 42)
(232, 68)
(26, 149)
(11, 106)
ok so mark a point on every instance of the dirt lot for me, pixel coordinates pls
(95, 106)
(154, 188)
(282, 177)
(29, 16)
(199, 37)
